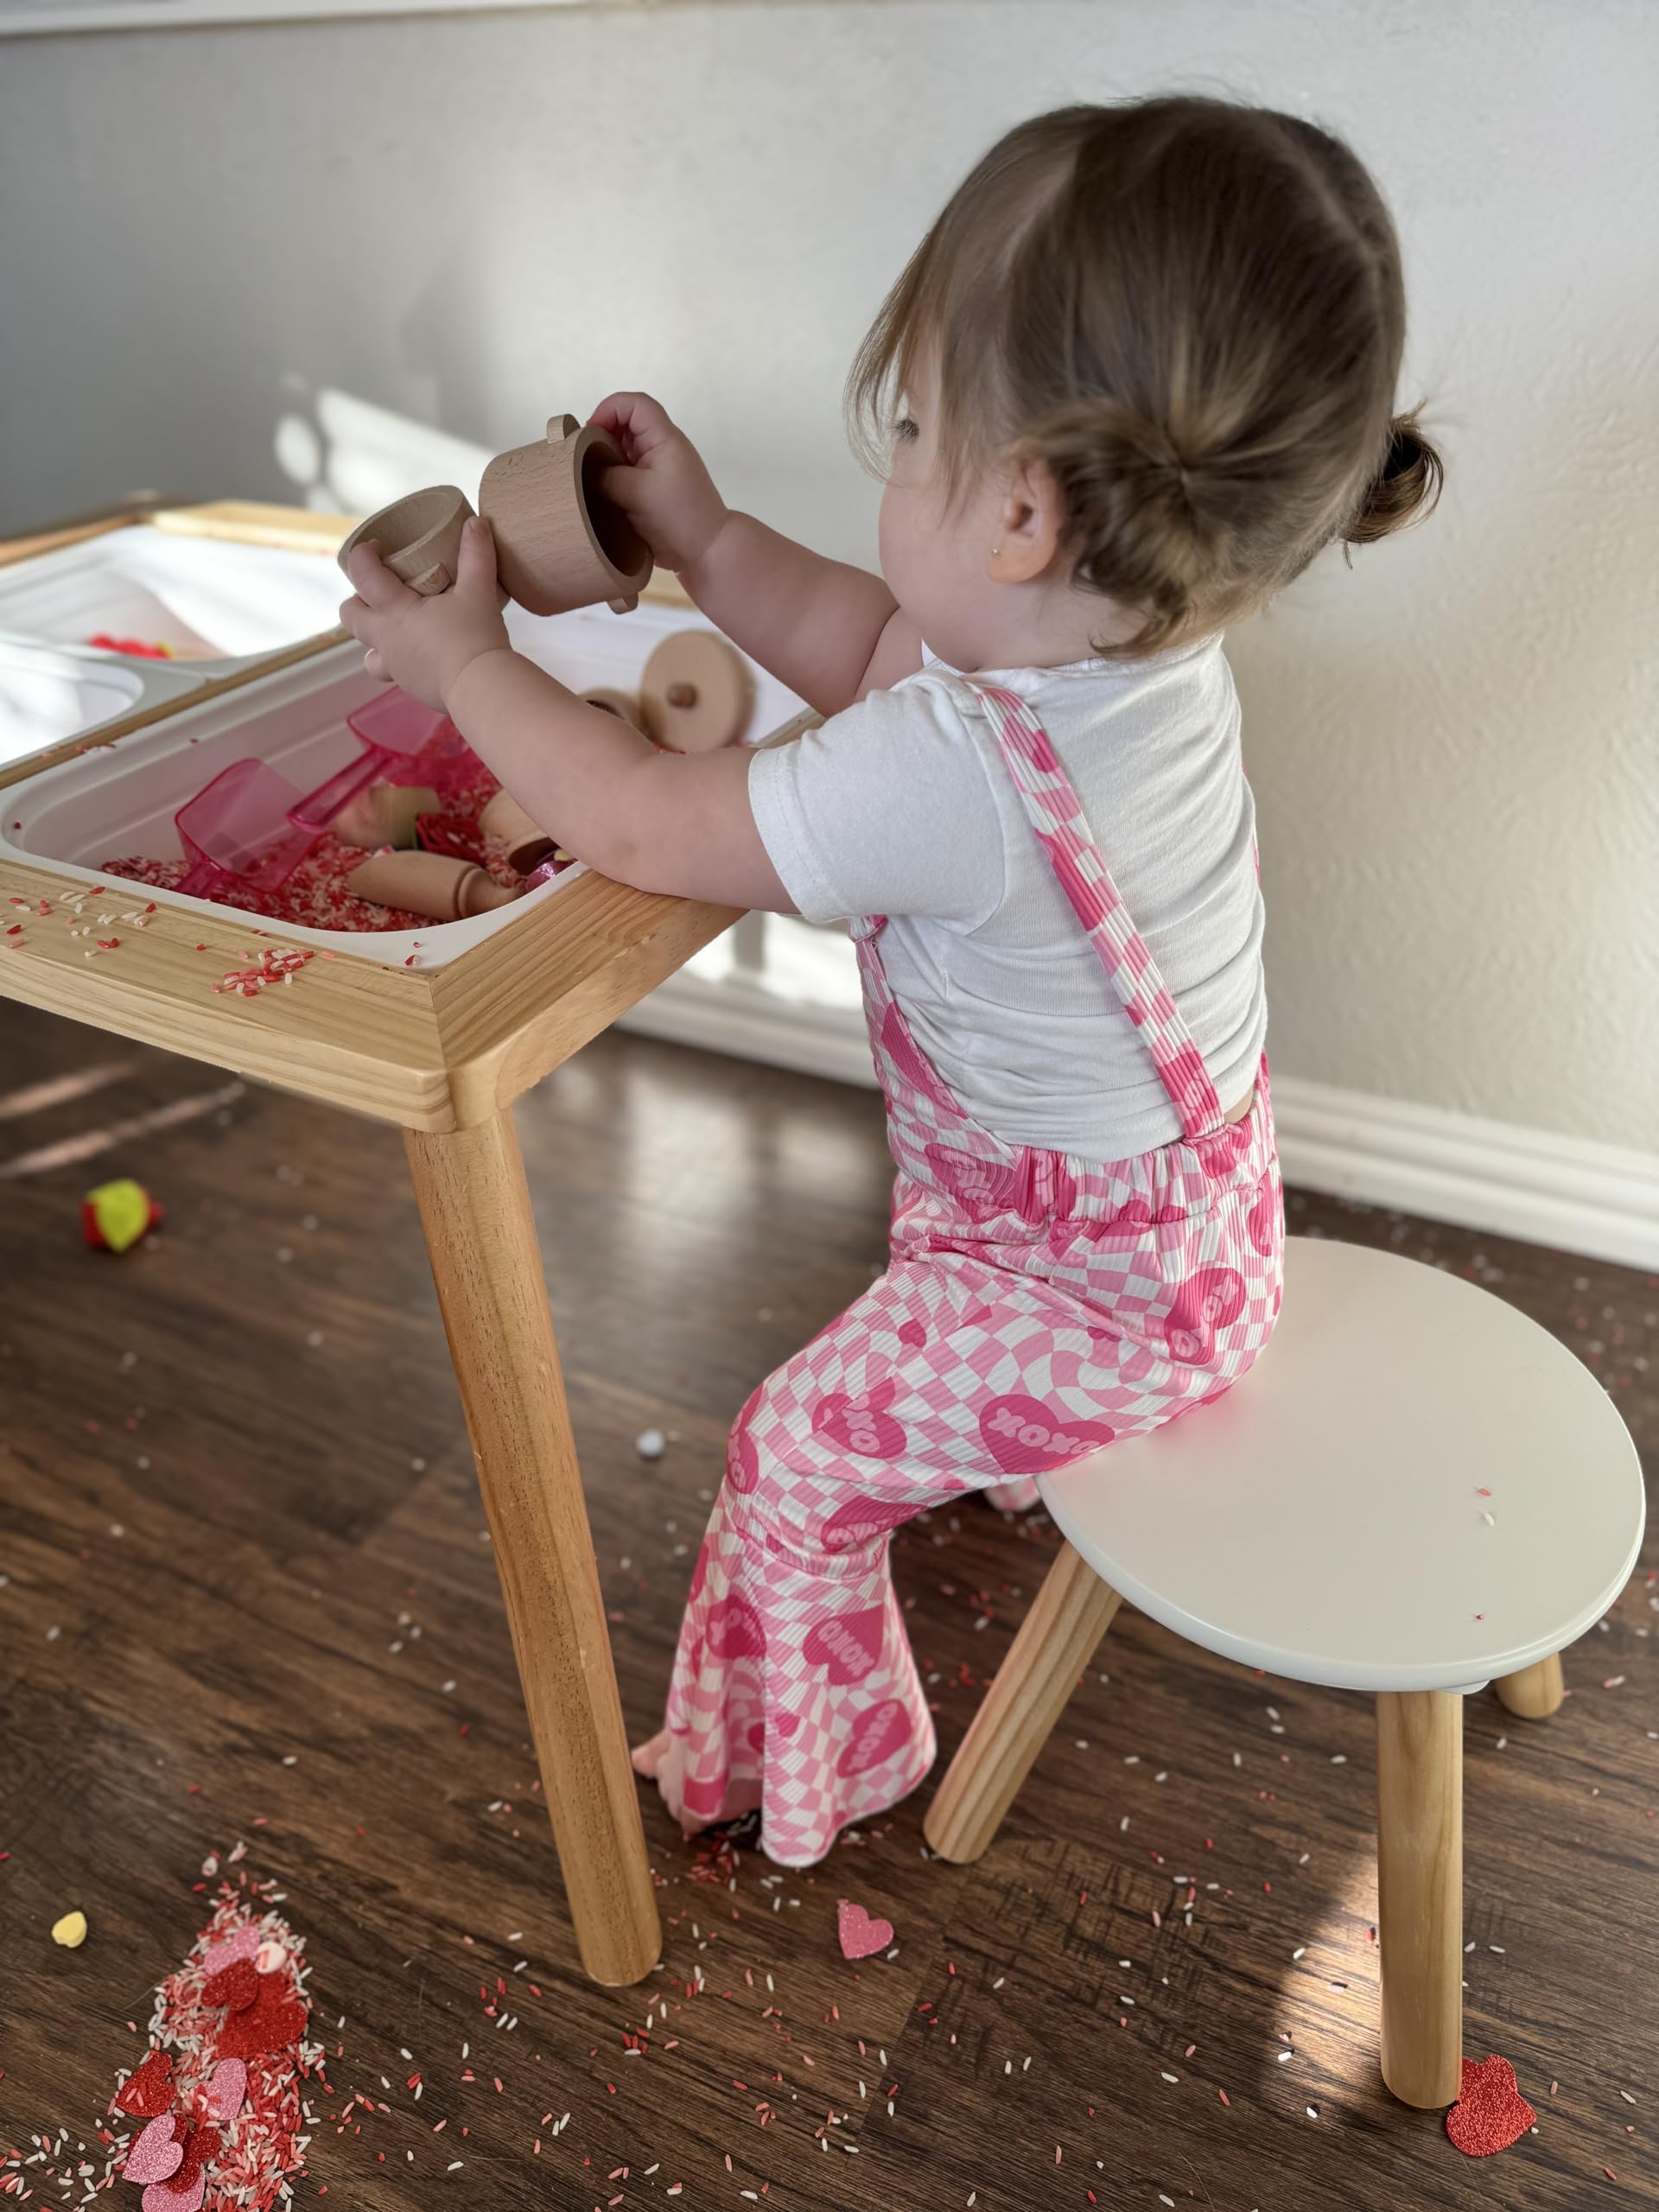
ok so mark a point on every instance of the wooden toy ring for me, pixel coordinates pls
(696, 693)
(559, 545)
(419, 538)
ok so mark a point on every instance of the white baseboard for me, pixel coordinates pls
(1578, 1196)
(751, 1023)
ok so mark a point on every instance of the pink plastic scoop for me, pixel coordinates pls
(238, 826)
(392, 729)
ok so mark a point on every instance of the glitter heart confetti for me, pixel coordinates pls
(1491, 2112)
(861, 1937)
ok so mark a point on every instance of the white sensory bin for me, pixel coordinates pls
(119, 799)
(1414, 1487)
(47, 696)
(215, 602)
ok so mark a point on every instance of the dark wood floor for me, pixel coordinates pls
(248, 1597)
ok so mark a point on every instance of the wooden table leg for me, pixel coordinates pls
(1536, 1691)
(1420, 1892)
(1057, 1639)
(487, 1267)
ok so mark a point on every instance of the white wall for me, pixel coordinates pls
(471, 220)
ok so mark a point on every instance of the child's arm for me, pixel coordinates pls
(825, 629)
(659, 821)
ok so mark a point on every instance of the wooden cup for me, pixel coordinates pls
(558, 544)
(419, 538)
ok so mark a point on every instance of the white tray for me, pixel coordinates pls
(217, 603)
(47, 695)
(120, 798)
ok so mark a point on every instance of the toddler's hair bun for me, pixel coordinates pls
(1152, 519)
(1405, 489)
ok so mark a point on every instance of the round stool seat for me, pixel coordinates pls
(1414, 1487)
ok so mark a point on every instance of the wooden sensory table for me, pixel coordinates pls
(443, 1054)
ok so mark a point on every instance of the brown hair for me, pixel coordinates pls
(1193, 313)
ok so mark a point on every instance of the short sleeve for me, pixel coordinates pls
(885, 809)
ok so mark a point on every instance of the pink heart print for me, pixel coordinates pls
(862, 1518)
(733, 1631)
(1040, 1188)
(1262, 1223)
(1027, 1438)
(848, 1645)
(699, 1573)
(876, 1734)
(913, 1333)
(742, 1458)
(901, 1049)
(156, 2154)
(861, 1424)
(1206, 1301)
(861, 1937)
(1126, 1226)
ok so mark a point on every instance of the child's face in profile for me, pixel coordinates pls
(934, 548)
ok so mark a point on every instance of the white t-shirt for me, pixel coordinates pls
(902, 805)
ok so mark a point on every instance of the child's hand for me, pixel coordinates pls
(423, 645)
(665, 491)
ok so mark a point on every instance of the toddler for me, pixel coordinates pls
(1139, 372)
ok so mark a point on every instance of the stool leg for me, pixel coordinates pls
(1072, 1611)
(1420, 1892)
(488, 1273)
(1536, 1691)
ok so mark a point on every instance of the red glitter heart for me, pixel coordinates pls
(201, 2146)
(1491, 2112)
(236, 1987)
(148, 2092)
(271, 2023)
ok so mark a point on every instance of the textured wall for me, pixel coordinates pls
(466, 221)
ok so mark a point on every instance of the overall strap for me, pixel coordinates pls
(1063, 831)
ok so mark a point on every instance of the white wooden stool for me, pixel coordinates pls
(1414, 1492)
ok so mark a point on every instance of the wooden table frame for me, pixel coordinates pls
(442, 1053)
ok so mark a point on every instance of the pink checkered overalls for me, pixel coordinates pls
(1037, 1305)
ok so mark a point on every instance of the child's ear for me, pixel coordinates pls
(1032, 526)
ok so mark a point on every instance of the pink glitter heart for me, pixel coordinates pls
(218, 1956)
(860, 1936)
(155, 2155)
(158, 2197)
(226, 2087)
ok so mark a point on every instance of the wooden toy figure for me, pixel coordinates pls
(559, 545)
(525, 842)
(432, 884)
